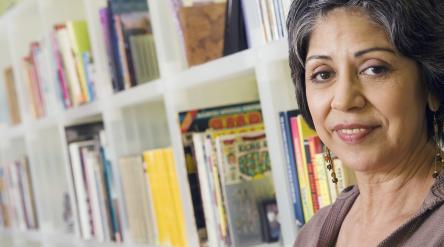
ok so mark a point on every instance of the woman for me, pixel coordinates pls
(369, 77)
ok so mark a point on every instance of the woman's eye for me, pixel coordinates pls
(375, 71)
(321, 76)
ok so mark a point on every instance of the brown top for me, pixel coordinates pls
(425, 228)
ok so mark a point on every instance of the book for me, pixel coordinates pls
(65, 94)
(322, 180)
(248, 181)
(235, 38)
(81, 189)
(108, 31)
(69, 62)
(139, 209)
(79, 40)
(300, 131)
(254, 25)
(11, 93)
(143, 52)
(288, 145)
(164, 189)
(131, 53)
(203, 32)
(98, 212)
(201, 120)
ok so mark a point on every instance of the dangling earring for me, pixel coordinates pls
(330, 165)
(438, 156)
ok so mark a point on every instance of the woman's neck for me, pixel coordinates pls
(396, 195)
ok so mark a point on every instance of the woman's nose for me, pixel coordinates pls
(348, 94)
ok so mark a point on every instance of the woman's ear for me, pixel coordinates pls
(433, 103)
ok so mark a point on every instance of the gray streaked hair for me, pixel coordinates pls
(414, 27)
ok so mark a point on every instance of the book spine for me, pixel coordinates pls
(89, 161)
(254, 25)
(322, 180)
(265, 20)
(291, 166)
(307, 204)
(179, 239)
(80, 190)
(282, 17)
(37, 78)
(216, 190)
(272, 16)
(63, 85)
(70, 66)
(202, 169)
(311, 177)
(107, 173)
(87, 64)
(106, 30)
(122, 52)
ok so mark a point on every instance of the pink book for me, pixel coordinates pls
(60, 71)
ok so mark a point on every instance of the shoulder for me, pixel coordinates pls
(310, 232)
(431, 229)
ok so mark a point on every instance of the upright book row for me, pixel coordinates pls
(152, 204)
(17, 201)
(311, 185)
(228, 163)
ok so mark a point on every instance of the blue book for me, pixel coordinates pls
(86, 58)
(284, 119)
(109, 193)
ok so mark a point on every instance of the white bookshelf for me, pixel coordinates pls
(138, 119)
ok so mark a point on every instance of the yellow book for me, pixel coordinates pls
(156, 195)
(180, 238)
(322, 181)
(346, 177)
(301, 131)
(79, 37)
(161, 172)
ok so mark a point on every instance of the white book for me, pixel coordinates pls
(264, 9)
(272, 16)
(89, 163)
(253, 23)
(141, 219)
(80, 189)
(28, 193)
(15, 195)
(70, 65)
(283, 17)
(206, 193)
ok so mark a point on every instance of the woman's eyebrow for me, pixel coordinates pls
(318, 57)
(360, 53)
(357, 54)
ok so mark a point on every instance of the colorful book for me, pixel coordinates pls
(300, 129)
(284, 118)
(11, 93)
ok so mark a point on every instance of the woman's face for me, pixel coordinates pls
(367, 102)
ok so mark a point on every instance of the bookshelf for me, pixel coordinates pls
(139, 118)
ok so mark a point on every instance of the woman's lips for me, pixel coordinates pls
(353, 133)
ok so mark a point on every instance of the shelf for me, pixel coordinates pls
(14, 132)
(274, 51)
(224, 68)
(140, 118)
(82, 112)
(71, 239)
(150, 91)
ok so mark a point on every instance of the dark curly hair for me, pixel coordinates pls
(414, 27)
